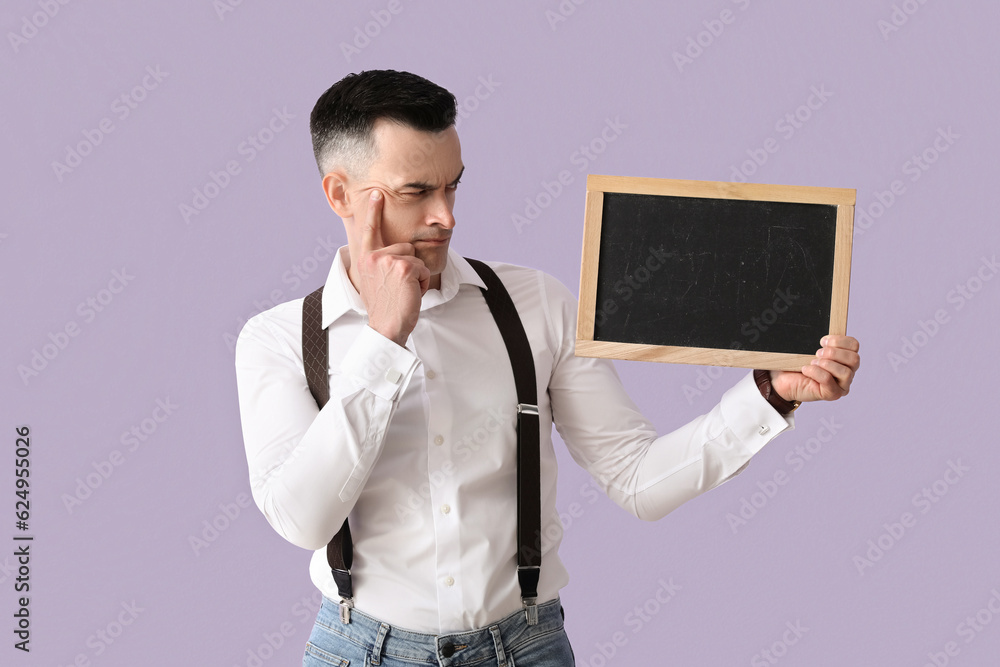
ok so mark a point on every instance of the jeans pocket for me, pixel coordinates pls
(317, 657)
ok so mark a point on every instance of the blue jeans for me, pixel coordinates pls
(510, 642)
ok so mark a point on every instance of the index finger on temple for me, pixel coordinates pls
(371, 237)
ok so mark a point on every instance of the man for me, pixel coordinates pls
(417, 441)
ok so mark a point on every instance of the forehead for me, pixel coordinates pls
(406, 154)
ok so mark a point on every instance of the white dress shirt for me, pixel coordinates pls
(418, 444)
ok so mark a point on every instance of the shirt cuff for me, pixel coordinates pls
(750, 417)
(378, 364)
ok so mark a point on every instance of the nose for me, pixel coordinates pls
(441, 207)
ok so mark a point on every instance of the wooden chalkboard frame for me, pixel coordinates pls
(844, 199)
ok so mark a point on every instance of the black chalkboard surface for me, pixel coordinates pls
(713, 273)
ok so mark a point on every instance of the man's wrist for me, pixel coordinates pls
(763, 380)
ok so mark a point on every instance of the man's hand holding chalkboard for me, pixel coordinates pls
(827, 378)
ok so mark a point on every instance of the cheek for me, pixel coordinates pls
(399, 223)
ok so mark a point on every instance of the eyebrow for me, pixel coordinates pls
(417, 185)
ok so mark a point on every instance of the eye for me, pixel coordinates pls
(454, 186)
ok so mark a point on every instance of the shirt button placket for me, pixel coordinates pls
(441, 436)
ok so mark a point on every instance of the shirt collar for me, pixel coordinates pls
(339, 295)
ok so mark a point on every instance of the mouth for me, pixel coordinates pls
(436, 241)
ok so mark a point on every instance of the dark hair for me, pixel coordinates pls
(341, 122)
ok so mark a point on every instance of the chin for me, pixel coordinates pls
(435, 259)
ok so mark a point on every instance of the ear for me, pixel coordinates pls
(335, 186)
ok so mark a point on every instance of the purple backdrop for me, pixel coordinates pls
(160, 190)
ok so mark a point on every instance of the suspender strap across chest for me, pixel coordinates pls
(315, 357)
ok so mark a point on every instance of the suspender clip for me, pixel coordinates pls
(346, 605)
(527, 408)
(530, 610)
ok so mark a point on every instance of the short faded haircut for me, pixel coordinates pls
(341, 123)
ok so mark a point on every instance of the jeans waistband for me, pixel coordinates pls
(453, 649)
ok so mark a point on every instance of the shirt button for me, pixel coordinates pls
(430, 375)
(449, 581)
(439, 440)
(445, 509)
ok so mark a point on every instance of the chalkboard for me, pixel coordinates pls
(715, 273)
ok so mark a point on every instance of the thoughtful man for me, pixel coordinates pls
(417, 442)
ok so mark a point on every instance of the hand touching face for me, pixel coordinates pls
(399, 220)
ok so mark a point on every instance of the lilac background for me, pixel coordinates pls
(168, 334)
